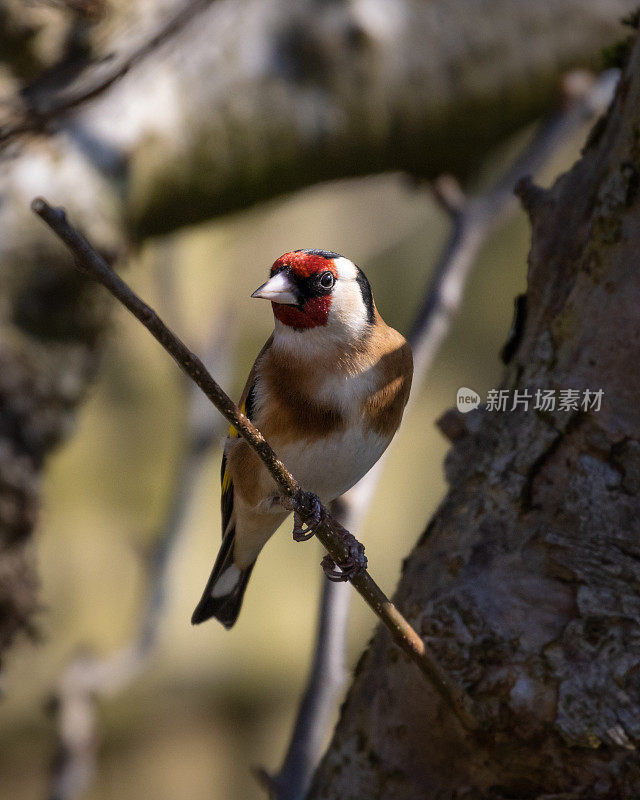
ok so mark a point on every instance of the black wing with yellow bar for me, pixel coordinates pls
(226, 500)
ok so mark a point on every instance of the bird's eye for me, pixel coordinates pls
(327, 280)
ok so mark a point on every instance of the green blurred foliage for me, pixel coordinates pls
(215, 703)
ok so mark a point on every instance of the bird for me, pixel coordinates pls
(327, 390)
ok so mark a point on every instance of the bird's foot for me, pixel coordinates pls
(310, 503)
(354, 564)
(355, 561)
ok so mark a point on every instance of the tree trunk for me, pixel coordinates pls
(526, 584)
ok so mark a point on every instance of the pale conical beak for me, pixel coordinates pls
(278, 289)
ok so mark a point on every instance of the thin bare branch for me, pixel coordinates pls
(47, 100)
(474, 219)
(333, 536)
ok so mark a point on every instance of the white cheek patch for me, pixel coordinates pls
(226, 582)
(347, 306)
(347, 270)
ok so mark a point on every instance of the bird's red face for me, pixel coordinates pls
(300, 288)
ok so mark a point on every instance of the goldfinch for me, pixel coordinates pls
(327, 390)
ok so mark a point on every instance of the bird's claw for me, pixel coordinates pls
(353, 565)
(300, 533)
(356, 560)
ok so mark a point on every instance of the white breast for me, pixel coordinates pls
(347, 392)
(332, 465)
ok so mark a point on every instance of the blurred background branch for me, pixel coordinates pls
(87, 680)
(293, 103)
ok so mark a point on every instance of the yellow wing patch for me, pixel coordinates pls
(232, 431)
(225, 476)
(226, 498)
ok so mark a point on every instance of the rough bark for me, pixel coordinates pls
(527, 580)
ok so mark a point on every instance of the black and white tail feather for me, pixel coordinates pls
(223, 594)
(222, 597)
